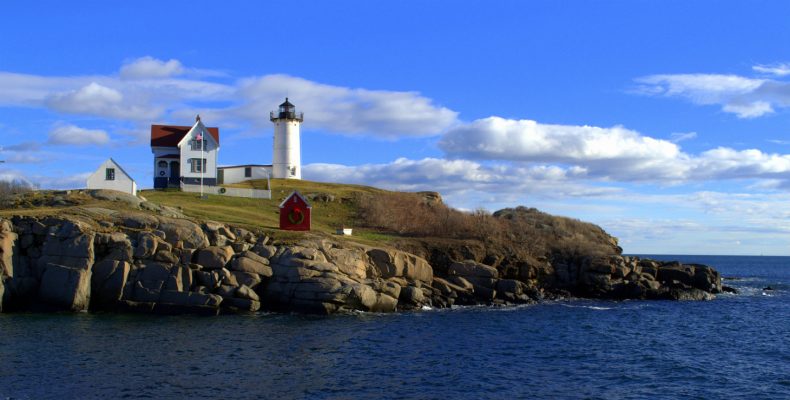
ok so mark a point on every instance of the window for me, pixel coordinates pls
(195, 144)
(248, 172)
(109, 174)
(162, 164)
(197, 165)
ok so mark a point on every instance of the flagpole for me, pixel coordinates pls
(202, 165)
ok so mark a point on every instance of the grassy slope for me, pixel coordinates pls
(258, 213)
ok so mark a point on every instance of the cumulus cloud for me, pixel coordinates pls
(151, 68)
(350, 111)
(148, 89)
(99, 100)
(743, 96)
(72, 135)
(614, 152)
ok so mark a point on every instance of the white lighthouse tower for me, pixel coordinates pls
(286, 158)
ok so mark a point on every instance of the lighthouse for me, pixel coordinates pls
(286, 158)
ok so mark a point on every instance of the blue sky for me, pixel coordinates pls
(664, 122)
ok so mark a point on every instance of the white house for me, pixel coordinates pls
(241, 173)
(111, 176)
(184, 154)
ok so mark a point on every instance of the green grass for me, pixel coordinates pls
(264, 214)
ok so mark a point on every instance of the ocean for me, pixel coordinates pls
(734, 347)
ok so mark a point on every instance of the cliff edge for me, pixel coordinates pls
(129, 255)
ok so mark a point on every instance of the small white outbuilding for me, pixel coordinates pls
(111, 176)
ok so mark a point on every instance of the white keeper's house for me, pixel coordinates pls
(111, 176)
(188, 155)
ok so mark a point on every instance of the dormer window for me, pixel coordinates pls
(109, 174)
(195, 144)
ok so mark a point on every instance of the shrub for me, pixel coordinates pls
(520, 228)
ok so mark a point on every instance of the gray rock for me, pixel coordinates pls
(209, 279)
(108, 281)
(226, 277)
(146, 245)
(139, 221)
(470, 268)
(241, 304)
(411, 295)
(214, 257)
(113, 246)
(252, 265)
(246, 278)
(65, 288)
(245, 292)
(7, 250)
(183, 232)
(384, 303)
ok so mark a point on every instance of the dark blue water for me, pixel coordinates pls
(735, 347)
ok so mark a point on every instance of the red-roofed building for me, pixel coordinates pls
(185, 154)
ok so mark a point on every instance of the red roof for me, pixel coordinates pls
(170, 135)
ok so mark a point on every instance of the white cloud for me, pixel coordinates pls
(151, 68)
(72, 135)
(781, 69)
(745, 97)
(678, 137)
(699, 88)
(727, 163)
(464, 184)
(749, 110)
(151, 90)
(614, 152)
(75, 181)
(99, 100)
(350, 111)
(609, 154)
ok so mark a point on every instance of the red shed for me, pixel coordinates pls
(295, 213)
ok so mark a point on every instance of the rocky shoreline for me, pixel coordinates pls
(138, 262)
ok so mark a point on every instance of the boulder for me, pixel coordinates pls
(69, 249)
(469, 268)
(209, 279)
(65, 288)
(184, 231)
(107, 282)
(411, 296)
(7, 249)
(139, 221)
(214, 257)
(707, 279)
(252, 263)
(189, 298)
(676, 272)
(246, 278)
(242, 304)
(361, 297)
(113, 246)
(349, 261)
(395, 263)
(245, 292)
(146, 245)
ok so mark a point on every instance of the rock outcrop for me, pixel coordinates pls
(138, 262)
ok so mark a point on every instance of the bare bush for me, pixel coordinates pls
(12, 187)
(526, 229)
